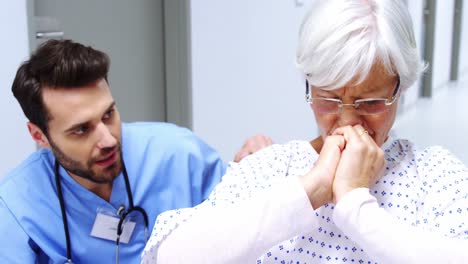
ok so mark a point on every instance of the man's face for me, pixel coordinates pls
(85, 131)
(378, 84)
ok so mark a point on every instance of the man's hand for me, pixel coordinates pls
(361, 161)
(252, 145)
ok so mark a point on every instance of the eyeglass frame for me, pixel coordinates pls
(355, 104)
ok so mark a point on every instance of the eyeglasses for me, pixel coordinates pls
(366, 106)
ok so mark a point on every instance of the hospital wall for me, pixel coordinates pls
(415, 8)
(15, 143)
(442, 44)
(244, 78)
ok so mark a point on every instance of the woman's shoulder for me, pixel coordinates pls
(428, 161)
(434, 154)
(287, 152)
(275, 161)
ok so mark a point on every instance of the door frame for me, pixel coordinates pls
(177, 39)
(428, 54)
(456, 39)
(177, 58)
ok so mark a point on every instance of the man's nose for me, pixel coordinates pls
(106, 139)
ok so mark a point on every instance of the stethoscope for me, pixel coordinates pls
(121, 212)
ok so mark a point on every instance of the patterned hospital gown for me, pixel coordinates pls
(423, 188)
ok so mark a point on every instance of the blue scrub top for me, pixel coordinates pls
(168, 167)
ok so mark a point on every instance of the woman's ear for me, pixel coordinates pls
(38, 135)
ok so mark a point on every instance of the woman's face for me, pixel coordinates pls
(378, 84)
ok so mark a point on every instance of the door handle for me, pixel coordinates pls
(49, 35)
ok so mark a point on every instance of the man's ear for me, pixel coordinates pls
(38, 135)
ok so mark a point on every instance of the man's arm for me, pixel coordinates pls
(14, 246)
(209, 167)
(206, 167)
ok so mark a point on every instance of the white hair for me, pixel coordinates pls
(340, 40)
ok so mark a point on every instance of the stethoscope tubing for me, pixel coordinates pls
(123, 214)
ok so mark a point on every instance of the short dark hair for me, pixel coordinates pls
(56, 64)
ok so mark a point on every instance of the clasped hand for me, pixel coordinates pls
(349, 159)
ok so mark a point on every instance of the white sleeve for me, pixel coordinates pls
(388, 240)
(258, 204)
(240, 233)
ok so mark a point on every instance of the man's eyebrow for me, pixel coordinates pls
(75, 126)
(112, 105)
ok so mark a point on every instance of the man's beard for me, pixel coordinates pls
(85, 171)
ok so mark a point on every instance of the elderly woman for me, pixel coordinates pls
(354, 194)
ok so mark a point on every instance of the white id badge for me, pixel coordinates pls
(105, 227)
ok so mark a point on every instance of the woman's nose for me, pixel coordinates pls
(349, 116)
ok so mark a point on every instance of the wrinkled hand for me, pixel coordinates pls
(319, 181)
(361, 162)
(252, 145)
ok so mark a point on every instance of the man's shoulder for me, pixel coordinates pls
(29, 170)
(150, 130)
(161, 139)
(25, 186)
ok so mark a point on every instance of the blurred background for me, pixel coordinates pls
(225, 68)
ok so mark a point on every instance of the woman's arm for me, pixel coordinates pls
(240, 233)
(389, 240)
(383, 236)
(252, 194)
(219, 231)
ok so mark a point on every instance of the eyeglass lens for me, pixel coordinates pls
(365, 107)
